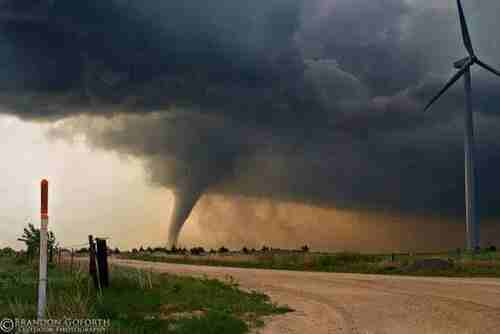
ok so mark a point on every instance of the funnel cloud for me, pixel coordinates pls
(316, 103)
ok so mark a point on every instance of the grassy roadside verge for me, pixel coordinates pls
(484, 264)
(136, 302)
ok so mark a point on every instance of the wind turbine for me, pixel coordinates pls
(463, 66)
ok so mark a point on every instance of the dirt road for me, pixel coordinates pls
(363, 304)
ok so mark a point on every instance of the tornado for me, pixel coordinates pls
(183, 205)
(190, 187)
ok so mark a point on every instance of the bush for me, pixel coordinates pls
(82, 251)
(492, 248)
(245, 250)
(325, 261)
(305, 248)
(345, 259)
(7, 251)
(223, 250)
(197, 250)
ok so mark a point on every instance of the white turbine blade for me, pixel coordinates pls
(465, 30)
(446, 87)
(488, 67)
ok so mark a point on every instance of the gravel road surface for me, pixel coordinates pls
(362, 304)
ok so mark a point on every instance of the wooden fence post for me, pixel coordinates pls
(92, 264)
(51, 254)
(72, 260)
(102, 262)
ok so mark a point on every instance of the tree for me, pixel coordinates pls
(31, 237)
(197, 250)
(223, 250)
(305, 248)
(7, 252)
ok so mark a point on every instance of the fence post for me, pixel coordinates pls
(92, 264)
(42, 277)
(102, 262)
(51, 254)
(72, 259)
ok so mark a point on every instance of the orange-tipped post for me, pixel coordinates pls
(42, 277)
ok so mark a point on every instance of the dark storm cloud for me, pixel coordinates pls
(366, 39)
(311, 101)
(230, 56)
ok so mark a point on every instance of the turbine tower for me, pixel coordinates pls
(463, 66)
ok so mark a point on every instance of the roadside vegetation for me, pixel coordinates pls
(457, 263)
(135, 302)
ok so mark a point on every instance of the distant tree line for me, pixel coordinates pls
(203, 251)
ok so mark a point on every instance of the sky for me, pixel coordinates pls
(89, 190)
(242, 123)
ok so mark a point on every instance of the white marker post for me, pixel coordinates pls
(42, 280)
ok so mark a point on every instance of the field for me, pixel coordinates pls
(136, 301)
(485, 263)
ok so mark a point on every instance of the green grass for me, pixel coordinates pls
(136, 302)
(465, 264)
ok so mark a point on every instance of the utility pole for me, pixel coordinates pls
(42, 278)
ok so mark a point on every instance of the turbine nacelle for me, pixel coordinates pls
(462, 63)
